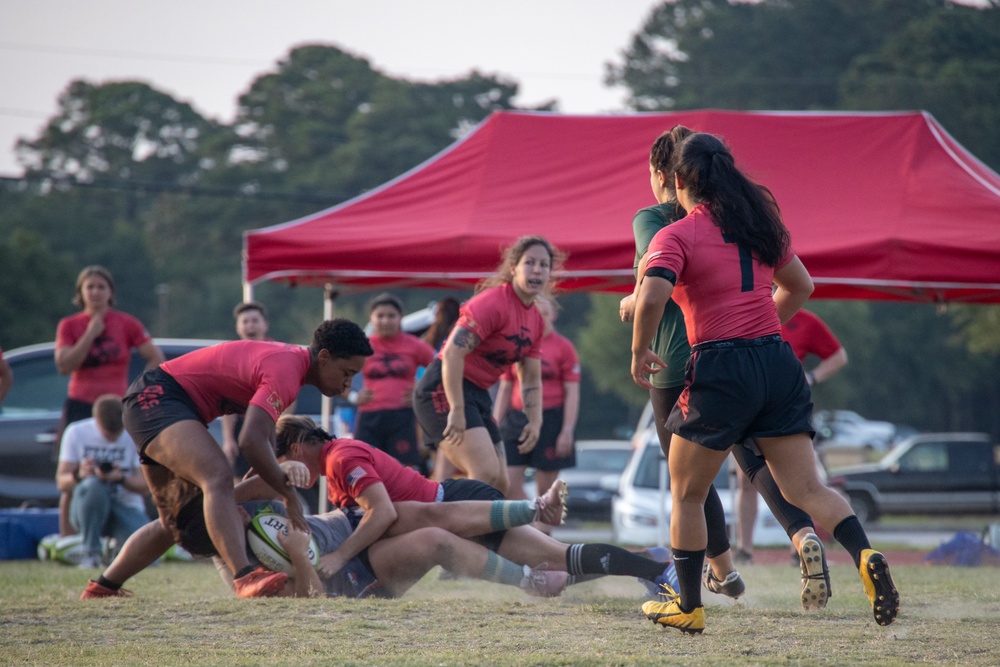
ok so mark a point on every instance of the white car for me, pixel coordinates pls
(640, 512)
(845, 429)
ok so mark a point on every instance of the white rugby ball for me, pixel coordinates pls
(262, 536)
(45, 546)
(68, 549)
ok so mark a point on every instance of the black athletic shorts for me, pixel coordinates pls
(392, 431)
(153, 402)
(543, 456)
(431, 406)
(742, 388)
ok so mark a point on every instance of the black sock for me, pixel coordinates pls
(853, 538)
(244, 572)
(107, 583)
(606, 559)
(689, 565)
(715, 522)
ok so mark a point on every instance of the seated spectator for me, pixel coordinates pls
(99, 469)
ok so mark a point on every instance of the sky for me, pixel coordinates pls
(208, 52)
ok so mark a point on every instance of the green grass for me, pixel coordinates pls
(182, 615)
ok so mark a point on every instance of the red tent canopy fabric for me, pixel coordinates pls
(880, 205)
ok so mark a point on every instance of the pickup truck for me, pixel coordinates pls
(930, 473)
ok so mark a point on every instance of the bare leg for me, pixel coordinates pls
(746, 512)
(140, 550)
(515, 483)
(477, 456)
(792, 463)
(187, 449)
(443, 468)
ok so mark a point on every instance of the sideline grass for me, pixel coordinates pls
(183, 615)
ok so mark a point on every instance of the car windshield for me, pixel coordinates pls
(37, 388)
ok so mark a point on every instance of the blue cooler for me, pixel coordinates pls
(22, 529)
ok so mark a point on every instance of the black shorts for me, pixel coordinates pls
(742, 388)
(431, 406)
(392, 431)
(153, 402)
(543, 456)
(472, 489)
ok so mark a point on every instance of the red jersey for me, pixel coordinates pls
(351, 466)
(105, 368)
(508, 330)
(560, 364)
(391, 371)
(722, 293)
(808, 334)
(226, 378)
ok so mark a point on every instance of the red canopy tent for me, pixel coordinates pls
(880, 205)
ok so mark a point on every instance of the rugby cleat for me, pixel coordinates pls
(879, 588)
(815, 574)
(96, 590)
(545, 583)
(732, 586)
(550, 507)
(669, 614)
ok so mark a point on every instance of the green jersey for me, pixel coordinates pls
(670, 342)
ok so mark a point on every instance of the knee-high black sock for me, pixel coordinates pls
(606, 559)
(689, 565)
(853, 537)
(715, 521)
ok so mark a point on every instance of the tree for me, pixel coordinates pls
(38, 287)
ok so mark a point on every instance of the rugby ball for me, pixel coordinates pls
(45, 546)
(262, 536)
(68, 550)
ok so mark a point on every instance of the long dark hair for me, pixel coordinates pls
(745, 211)
(445, 316)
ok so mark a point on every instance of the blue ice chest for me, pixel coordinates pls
(22, 529)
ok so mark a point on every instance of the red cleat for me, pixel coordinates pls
(95, 590)
(261, 583)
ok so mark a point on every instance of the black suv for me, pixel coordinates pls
(30, 414)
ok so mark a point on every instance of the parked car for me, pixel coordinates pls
(929, 473)
(593, 480)
(845, 429)
(640, 512)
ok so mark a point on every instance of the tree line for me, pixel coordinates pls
(127, 176)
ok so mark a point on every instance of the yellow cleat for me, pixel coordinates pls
(879, 588)
(670, 614)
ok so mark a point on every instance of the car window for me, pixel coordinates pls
(926, 457)
(37, 387)
(610, 460)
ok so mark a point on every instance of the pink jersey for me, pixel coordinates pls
(807, 334)
(722, 293)
(351, 466)
(226, 378)
(105, 368)
(560, 364)
(508, 330)
(391, 371)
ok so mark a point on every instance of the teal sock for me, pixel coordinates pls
(509, 513)
(502, 571)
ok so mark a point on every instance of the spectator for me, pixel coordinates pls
(445, 316)
(808, 335)
(499, 326)
(560, 408)
(94, 348)
(251, 324)
(385, 403)
(6, 377)
(99, 470)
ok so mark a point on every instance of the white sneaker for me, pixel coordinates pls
(89, 562)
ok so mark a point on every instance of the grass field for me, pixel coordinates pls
(182, 615)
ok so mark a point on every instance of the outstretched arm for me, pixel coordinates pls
(379, 515)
